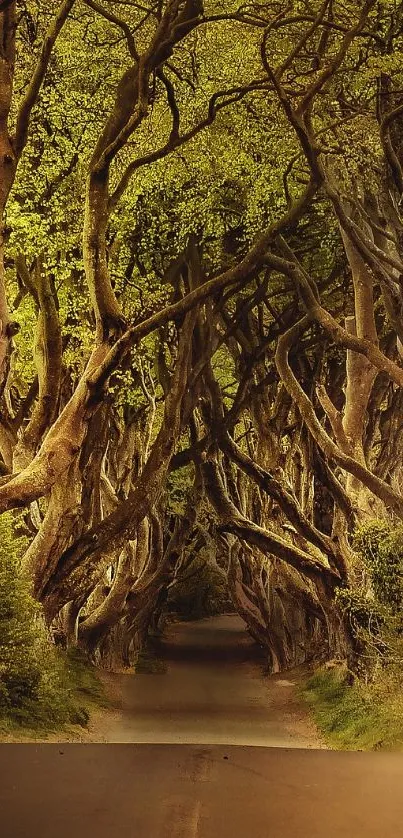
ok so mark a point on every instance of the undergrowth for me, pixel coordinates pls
(364, 710)
(41, 687)
(356, 716)
(64, 699)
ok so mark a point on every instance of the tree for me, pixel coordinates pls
(208, 235)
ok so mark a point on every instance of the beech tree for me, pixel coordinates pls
(201, 221)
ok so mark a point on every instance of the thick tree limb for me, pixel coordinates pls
(285, 500)
(324, 441)
(121, 525)
(48, 358)
(30, 98)
(268, 542)
(67, 433)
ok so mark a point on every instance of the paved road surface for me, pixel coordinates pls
(214, 692)
(185, 791)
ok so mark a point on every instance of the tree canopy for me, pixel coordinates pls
(200, 307)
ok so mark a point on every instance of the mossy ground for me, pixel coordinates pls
(356, 716)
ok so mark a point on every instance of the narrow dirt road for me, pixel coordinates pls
(214, 691)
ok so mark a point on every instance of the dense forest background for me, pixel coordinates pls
(201, 292)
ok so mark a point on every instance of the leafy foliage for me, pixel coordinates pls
(381, 549)
(38, 686)
(20, 667)
(367, 712)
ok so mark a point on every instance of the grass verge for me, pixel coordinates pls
(358, 716)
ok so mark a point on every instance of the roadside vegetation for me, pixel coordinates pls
(364, 708)
(359, 715)
(42, 688)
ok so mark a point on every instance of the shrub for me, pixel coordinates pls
(369, 712)
(39, 686)
(20, 673)
(373, 605)
(381, 550)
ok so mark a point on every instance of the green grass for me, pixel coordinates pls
(66, 698)
(356, 717)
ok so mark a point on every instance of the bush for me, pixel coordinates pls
(373, 605)
(20, 672)
(368, 713)
(381, 550)
(39, 687)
